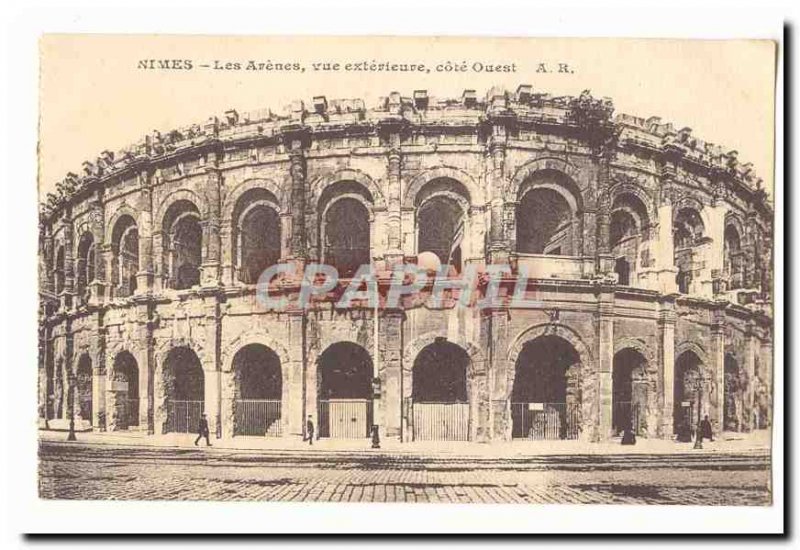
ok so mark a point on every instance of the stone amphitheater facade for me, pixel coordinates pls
(646, 254)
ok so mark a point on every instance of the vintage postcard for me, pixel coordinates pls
(394, 269)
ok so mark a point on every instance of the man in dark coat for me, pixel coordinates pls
(202, 430)
(706, 431)
(310, 430)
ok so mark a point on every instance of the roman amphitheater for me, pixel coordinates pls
(646, 253)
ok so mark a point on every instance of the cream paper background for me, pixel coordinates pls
(676, 18)
(93, 96)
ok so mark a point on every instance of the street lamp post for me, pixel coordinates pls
(700, 382)
(71, 408)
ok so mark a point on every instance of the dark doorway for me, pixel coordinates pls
(345, 391)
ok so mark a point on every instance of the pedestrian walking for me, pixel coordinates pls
(202, 430)
(706, 431)
(310, 430)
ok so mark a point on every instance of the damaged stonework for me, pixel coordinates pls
(638, 288)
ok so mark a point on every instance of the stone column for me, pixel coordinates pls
(717, 367)
(69, 265)
(714, 252)
(212, 366)
(605, 262)
(498, 242)
(297, 401)
(494, 338)
(210, 266)
(666, 361)
(391, 339)
(98, 285)
(297, 170)
(661, 277)
(144, 278)
(750, 377)
(99, 371)
(605, 361)
(765, 376)
(394, 251)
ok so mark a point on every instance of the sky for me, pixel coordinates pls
(94, 97)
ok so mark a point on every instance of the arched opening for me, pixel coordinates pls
(125, 391)
(257, 391)
(439, 393)
(184, 384)
(86, 264)
(83, 375)
(687, 390)
(183, 244)
(257, 234)
(440, 223)
(125, 250)
(60, 270)
(545, 397)
(732, 412)
(628, 235)
(688, 235)
(629, 392)
(732, 258)
(346, 230)
(545, 223)
(344, 382)
(442, 207)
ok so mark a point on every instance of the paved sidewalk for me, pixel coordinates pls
(754, 442)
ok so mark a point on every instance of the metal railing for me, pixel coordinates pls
(345, 418)
(440, 421)
(257, 417)
(183, 416)
(545, 421)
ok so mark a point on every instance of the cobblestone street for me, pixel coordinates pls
(80, 471)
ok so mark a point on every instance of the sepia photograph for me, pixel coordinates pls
(458, 269)
(387, 289)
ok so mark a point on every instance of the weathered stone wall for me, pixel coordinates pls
(484, 153)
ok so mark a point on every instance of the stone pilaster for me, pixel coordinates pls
(297, 170)
(748, 401)
(605, 262)
(498, 243)
(605, 362)
(391, 327)
(666, 364)
(717, 367)
(393, 215)
(494, 339)
(144, 278)
(300, 393)
(99, 375)
(67, 294)
(661, 276)
(212, 245)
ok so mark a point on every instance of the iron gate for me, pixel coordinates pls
(183, 416)
(257, 417)
(345, 418)
(441, 421)
(545, 421)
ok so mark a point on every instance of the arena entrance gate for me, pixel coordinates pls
(440, 405)
(545, 401)
(184, 383)
(257, 398)
(345, 392)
